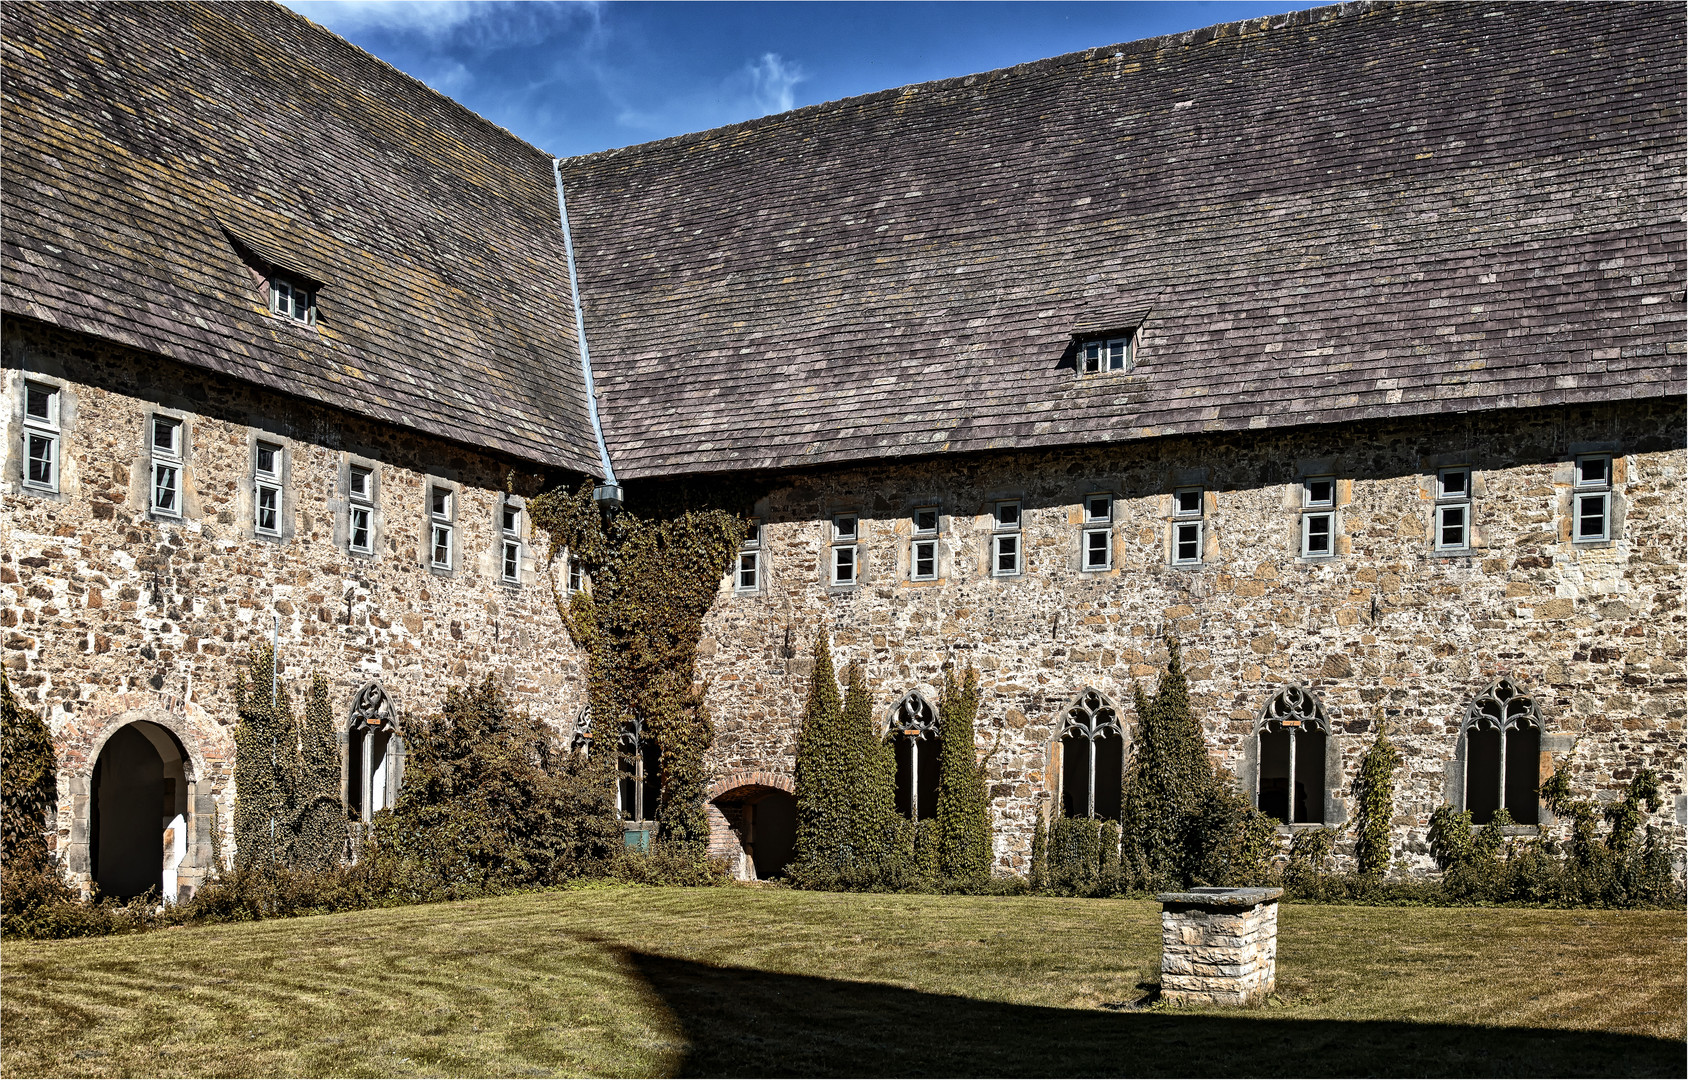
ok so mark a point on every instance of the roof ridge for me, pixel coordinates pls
(471, 113)
(1286, 20)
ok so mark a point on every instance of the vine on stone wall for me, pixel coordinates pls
(1374, 797)
(288, 809)
(652, 581)
(963, 813)
(823, 780)
(28, 781)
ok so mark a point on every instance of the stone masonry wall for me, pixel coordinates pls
(112, 614)
(1386, 628)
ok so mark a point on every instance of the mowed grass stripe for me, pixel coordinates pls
(761, 981)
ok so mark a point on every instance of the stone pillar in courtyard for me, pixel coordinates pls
(1219, 946)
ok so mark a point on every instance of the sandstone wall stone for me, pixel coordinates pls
(1386, 628)
(109, 612)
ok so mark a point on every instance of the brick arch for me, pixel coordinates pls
(749, 778)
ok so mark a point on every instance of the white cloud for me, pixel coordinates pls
(771, 82)
(479, 25)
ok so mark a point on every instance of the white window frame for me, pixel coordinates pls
(360, 503)
(267, 482)
(1321, 510)
(1188, 520)
(45, 429)
(1105, 356)
(1455, 503)
(1598, 492)
(165, 460)
(747, 574)
(577, 575)
(1008, 540)
(510, 542)
(846, 549)
(1097, 535)
(292, 300)
(924, 545)
(442, 526)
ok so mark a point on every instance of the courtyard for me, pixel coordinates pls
(617, 981)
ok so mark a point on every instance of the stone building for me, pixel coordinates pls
(1346, 346)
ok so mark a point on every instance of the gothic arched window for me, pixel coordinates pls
(374, 754)
(1293, 733)
(638, 772)
(914, 732)
(1502, 733)
(581, 740)
(1092, 758)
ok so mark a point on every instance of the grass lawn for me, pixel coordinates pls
(748, 981)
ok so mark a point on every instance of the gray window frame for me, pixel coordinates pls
(843, 544)
(365, 503)
(1015, 533)
(1600, 490)
(1318, 508)
(924, 538)
(510, 538)
(1461, 501)
(437, 521)
(175, 458)
(1183, 519)
(751, 549)
(50, 429)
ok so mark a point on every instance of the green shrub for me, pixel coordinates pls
(1374, 798)
(823, 781)
(1310, 864)
(1039, 879)
(488, 798)
(963, 811)
(28, 781)
(1183, 823)
(1075, 856)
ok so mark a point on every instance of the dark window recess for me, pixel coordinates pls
(914, 732)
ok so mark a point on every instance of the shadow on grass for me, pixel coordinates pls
(743, 1022)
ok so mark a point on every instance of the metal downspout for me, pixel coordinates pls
(609, 491)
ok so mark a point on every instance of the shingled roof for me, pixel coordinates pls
(1365, 211)
(154, 151)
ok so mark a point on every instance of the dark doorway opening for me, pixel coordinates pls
(137, 836)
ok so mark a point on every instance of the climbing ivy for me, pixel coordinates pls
(876, 840)
(28, 781)
(823, 781)
(1075, 850)
(1374, 796)
(1040, 854)
(653, 579)
(288, 809)
(266, 764)
(963, 811)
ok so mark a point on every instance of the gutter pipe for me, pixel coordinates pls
(609, 491)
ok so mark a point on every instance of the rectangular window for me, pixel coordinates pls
(749, 571)
(923, 550)
(844, 564)
(1591, 502)
(846, 529)
(292, 300)
(1005, 542)
(41, 436)
(440, 527)
(924, 560)
(1187, 543)
(510, 544)
(1187, 510)
(1098, 549)
(166, 439)
(1114, 354)
(1098, 509)
(1453, 509)
(577, 575)
(360, 492)
(1318, 529)
(266, 488)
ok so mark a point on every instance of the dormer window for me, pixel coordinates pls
(292, 299)
(1108, 354)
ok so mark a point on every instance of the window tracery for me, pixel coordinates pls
(914, 731)
(1092, 758)
(1292, 735)
(1502, 734)
(374, 753)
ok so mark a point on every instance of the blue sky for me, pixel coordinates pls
(574, 77)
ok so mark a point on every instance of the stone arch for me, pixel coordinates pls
(108, 782)
(1087, 700)
(1295, 737)
(913, 730)
(372, 767)
(1498, 757)
(752, 821)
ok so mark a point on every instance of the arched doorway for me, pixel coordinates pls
(754, 825)
(138, 836)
